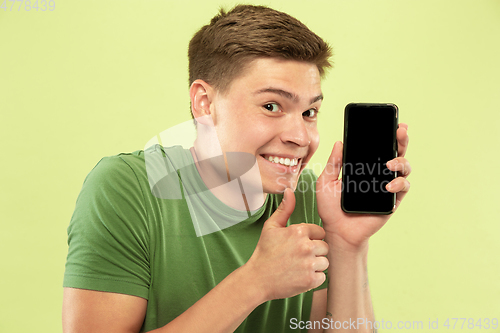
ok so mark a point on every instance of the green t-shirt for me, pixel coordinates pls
(124, 237)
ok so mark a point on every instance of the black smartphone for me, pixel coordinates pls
(369, 143)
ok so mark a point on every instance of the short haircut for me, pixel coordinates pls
(220, 51)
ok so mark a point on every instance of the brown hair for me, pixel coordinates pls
(219, 51)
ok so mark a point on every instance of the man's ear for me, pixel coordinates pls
(201, 95)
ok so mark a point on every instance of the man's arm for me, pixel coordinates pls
(347, 295)
(318, 308)
(221, 310)
(97, 311)
(349, 304)
(287, 261)
(347, 235)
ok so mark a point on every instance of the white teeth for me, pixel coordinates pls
(284, 161)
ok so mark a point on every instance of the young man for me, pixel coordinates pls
(140, 260)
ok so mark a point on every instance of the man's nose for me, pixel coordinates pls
(295, 131)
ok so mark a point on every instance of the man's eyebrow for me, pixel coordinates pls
(315, 99)
(287, 95)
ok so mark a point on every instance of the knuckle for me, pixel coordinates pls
(321, 278)
(406, 164)
(280, 209)
(321, 231)
(321, 248)
(310, 279)
(325, 263)
(326, 246)
(310, 266)
(306, 247)
(317, 265)
(300, 229)
(408, 169)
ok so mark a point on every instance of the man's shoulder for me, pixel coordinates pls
(116, 166)
(139, 160)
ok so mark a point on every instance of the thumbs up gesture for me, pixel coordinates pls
(288, 260)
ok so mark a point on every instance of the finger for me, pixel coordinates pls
(399, 198)
(401, 165)
(319, 278)
(320, 248)
(309, 230)
(320, 264)
(333, 166)
(397, 185)
(403, 139)
(280, 217)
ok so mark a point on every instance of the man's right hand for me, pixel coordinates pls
(288, 260)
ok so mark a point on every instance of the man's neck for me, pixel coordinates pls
(235, 193)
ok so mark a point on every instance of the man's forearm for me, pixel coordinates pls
(222, 310)
(349, 299)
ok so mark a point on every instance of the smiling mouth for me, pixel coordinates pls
(285, 161)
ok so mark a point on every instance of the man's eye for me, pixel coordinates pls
(273, 107)
(311, 113)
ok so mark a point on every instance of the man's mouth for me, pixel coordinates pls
(283, 160)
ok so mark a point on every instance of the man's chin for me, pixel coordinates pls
(279, 188)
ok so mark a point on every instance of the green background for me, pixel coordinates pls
(96, 78)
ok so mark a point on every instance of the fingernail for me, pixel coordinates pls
(388, 186)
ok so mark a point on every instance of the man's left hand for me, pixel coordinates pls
(356, 229)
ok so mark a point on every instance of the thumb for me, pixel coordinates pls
(331, 173)
(283, 212)
(334, 164)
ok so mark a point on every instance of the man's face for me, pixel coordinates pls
(270, 112)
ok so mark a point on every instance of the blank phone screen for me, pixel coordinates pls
(369, 143)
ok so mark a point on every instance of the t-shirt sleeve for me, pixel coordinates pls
(108, 234)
